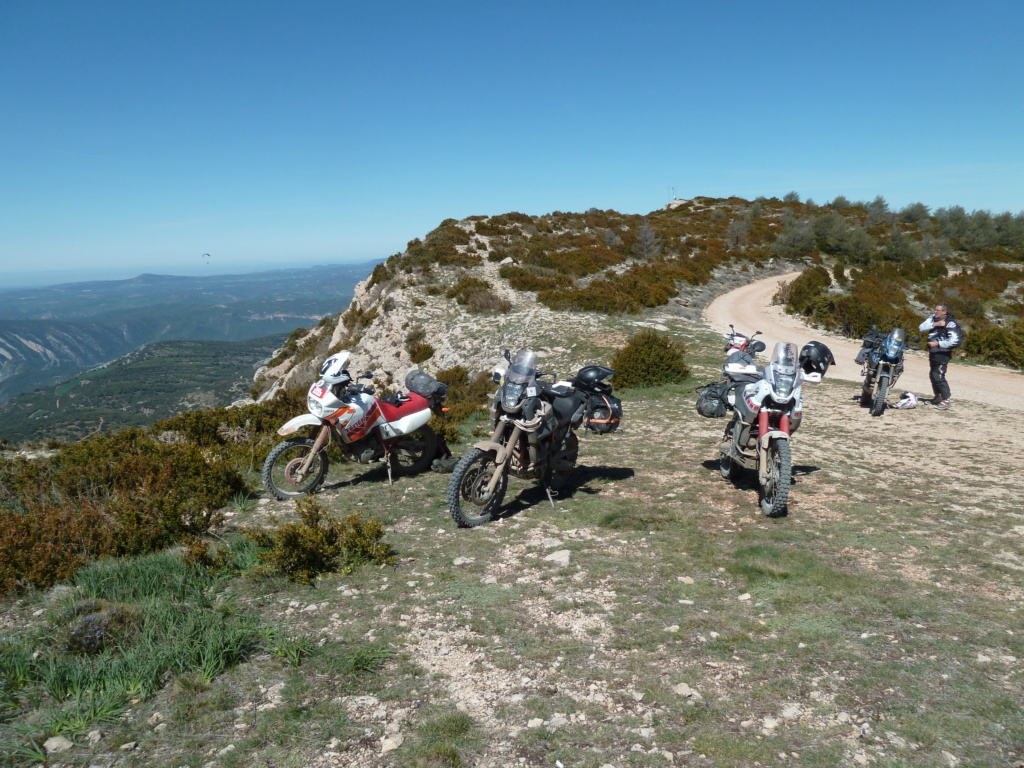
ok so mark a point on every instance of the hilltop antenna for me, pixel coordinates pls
(672, 193)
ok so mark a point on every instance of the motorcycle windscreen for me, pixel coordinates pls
(894, 342)
(781, 371)
(523, 367)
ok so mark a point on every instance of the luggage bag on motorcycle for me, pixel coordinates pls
(426, 385)
(711, 399)
(604, 412)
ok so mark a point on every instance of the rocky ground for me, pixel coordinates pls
(654, 617)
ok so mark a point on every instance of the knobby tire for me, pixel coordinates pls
(469, 477)
(276, 476)
(775, 493)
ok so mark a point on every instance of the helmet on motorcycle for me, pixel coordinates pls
(815, 358)
(592, 378)
(333, 370)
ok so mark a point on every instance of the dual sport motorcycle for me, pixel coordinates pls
(534, 437)
(882, 359)
(365, 428)
(766, 413)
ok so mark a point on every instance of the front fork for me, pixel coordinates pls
(501, 468)
(321, 439)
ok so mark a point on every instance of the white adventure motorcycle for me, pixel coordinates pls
(766, 412)
(365, 428)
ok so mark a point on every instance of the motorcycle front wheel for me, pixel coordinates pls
(775, 492)
(878, 404)
(466, 502)
(413, 453)
(281, 467)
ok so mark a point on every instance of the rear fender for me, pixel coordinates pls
(292, 426)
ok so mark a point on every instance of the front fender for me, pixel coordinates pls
(294, 425)
(499, 450)
(762, 452)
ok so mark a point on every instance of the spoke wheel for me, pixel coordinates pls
(280, 470)
(878, 404)
(466, 502)
(413, 453)
(775, 492)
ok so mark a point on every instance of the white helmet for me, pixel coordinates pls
(908, 400)
(333, 370)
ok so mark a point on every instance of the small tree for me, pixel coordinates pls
(650, 359)
(648, 244)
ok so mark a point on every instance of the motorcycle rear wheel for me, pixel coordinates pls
(279, 469)
(469, 479)
(775, 491)
(413, 453)
(878, 404)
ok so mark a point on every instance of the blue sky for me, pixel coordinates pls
(137, 136)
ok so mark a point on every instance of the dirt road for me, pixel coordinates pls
(750, 309)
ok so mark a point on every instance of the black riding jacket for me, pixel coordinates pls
(948, 336)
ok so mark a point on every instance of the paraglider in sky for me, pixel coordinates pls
(206, 258)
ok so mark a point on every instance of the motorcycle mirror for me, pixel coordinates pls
(758, 346)
(508, 355)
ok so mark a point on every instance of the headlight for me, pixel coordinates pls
(510, 394)
(315, 407)
(893, 348)
(784, 384)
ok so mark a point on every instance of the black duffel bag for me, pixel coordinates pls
(711, 399)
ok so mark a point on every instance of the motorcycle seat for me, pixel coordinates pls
(413, 404)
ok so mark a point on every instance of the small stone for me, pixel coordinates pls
(860, 757)
(685, 579)
(673, 628)
(744, 596)
(94, 737)
(226, 751)
(843, 717)
(983, 658)
(647, 732)
(130, 746)
(535, 722)
(56, 744)
(551, 543)
(951, 760)
(160, 728)
(463, 560)
(491, 580)
(557, 721)
(391, 743)
(791, 712)
(561, 557)
(155, 719)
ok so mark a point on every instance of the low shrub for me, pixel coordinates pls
(46, 543)
(319, 543)
(420, 351)
(650, 359)
(478, 296)
(465, 396)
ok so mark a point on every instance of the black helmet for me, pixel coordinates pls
(815, 357)
(592, 378)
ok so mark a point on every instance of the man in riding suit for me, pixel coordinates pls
(944, 335)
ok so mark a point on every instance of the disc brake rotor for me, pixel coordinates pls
(291, 471)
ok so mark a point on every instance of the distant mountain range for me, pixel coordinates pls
(160, 380)
(51, 334)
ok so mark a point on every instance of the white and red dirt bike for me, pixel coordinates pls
(364, 428)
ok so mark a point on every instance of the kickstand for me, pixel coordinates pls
(551, 495)
(387, 460)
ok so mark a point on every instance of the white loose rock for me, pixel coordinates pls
(391, 743)
(56, 744)
(561, 557)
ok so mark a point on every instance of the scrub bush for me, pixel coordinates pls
(319, 543)
(650, 359)
(465, 396)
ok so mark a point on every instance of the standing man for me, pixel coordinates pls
(944, 335)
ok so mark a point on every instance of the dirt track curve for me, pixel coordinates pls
(750, 309)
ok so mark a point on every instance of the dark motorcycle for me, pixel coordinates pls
(882, 359)
(534, 435)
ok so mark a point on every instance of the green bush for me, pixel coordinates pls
(420, 351)
(319, 543)
(465, 396)
(478, 296)
(650, 359)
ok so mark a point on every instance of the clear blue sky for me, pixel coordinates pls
(137, 136)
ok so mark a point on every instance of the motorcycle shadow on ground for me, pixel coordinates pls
(532, 494)
(746, 479)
